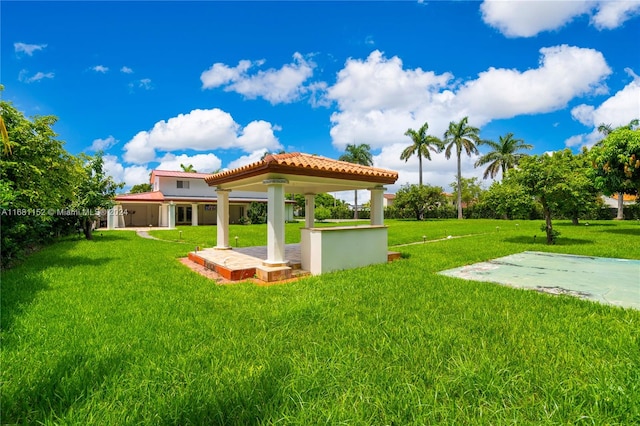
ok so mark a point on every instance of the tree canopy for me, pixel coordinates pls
(419, 198)
(421, 146)
(504, 155)
(560, 182)
(616, 161)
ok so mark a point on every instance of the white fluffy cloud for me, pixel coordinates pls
(101, 69)
(526, 18)
(378, 99)
(247, 159)
(203, 163)
(28, 49)
(103, 144)
(126, 70)
(564, 73)
(618, 110)
(200, 130)
(131, 175)
(23, 76)
(282, 85)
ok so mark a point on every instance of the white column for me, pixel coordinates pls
(275, 222)
(377, 205)
(194, 215)
(111, 218)
(160, 222)
(222, 242)
(171, 213)
(309, 210)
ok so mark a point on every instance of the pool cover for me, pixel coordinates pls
(606, 280)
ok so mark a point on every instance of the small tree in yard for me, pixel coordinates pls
(559, 182)
(95, 191)
(616, 161)
(257, 213)
(418, 199)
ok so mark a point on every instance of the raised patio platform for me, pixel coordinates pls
(238, 264)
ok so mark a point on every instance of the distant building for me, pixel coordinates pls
(181, 198)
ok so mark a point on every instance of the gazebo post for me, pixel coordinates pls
(309, 210)
(171, 207)
(222, 225)
(377, 205)
(275, 222)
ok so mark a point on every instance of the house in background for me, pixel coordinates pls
(388, 200)
(180, 198)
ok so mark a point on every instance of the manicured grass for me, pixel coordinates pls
(116, 331)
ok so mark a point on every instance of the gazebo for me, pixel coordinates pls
(321, 249)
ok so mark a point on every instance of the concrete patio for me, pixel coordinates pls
(247, 262)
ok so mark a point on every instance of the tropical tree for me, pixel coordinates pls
(37, 177)
(422, 144)
(357, 154)
(140, 188)
(95, 191)
(418, 199)
(471, 189)
(616, 161)
(560, 182)
(504, 155)
(606, 130)
(461, 136)
(188, 168)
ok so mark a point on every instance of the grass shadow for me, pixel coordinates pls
(635, 232)
(542, 241)
(583, 225)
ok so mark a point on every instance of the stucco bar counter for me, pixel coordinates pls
(343, 247)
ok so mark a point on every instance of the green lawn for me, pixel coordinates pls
(116, 331)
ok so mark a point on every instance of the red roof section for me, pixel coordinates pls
(177, 174)
(143, 196)
(305, 164)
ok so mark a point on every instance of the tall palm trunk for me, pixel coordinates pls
(459, 187)
(420, 162)
(355, 213)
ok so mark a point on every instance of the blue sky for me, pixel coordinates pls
(215, 84)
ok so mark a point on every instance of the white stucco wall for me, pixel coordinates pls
(336, 248)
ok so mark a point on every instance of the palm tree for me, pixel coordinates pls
(422, 144)
(503, 156)
(357, 154)
(188, 168)
(606, 129)
(462, 136)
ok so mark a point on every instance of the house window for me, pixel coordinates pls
(184, 184)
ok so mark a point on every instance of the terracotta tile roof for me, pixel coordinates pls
(625, 197)
(307, 165)
(143, 196)
(178, 174)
